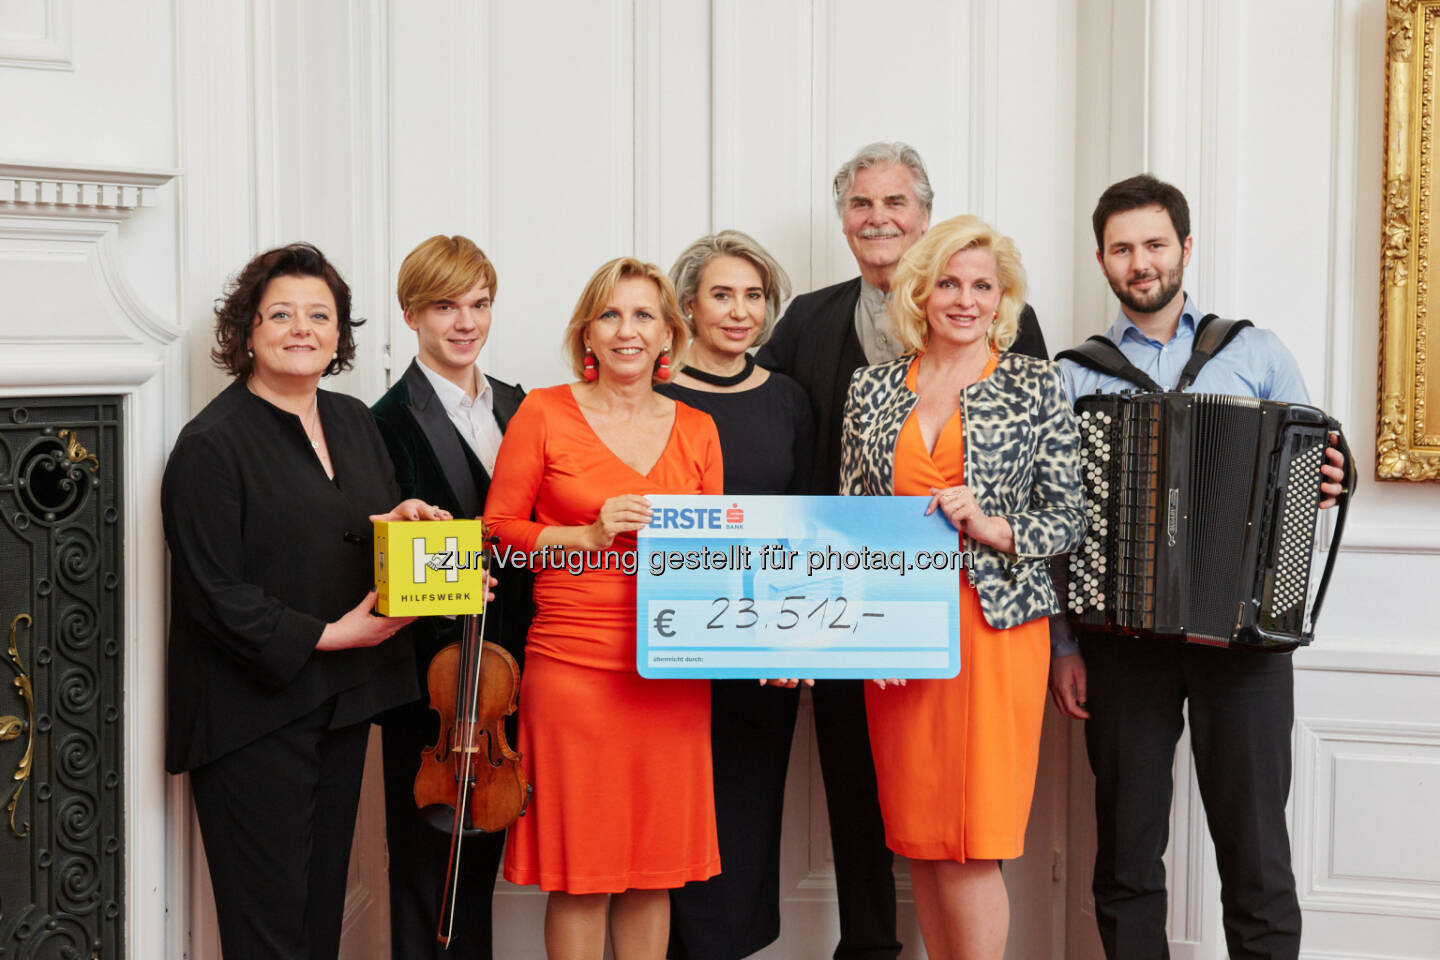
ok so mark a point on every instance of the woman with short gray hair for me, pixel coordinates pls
(730, 291)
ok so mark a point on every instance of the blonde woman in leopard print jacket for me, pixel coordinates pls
(991, 439)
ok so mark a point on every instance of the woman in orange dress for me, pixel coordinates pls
(989, 437)
(623, 808)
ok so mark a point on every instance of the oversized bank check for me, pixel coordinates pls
(819, 587)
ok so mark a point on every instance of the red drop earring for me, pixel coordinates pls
(591, 373)
(664, 372)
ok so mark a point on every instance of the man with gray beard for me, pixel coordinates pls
(883, 197)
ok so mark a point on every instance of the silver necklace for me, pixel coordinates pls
(315, 418)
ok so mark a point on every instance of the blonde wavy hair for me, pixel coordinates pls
(596, 295)
(920, 269)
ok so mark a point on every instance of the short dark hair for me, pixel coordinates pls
(1138, 192)
(235, 313)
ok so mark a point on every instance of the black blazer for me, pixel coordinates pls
(265, 550)
(815, 343)
(434, 463)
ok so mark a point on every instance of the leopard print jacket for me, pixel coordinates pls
(1022, 462)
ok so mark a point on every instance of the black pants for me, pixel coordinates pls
(419, 854)
(277, 817)
(864, 866)
(738, 912)
(1241, 711)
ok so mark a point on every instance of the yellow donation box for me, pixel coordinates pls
(426, 567)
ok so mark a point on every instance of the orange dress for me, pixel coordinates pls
(955, 759)
(620, 764)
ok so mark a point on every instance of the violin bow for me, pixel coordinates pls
(463, 736)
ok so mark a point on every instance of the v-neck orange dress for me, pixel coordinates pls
(955, 759)
(620, 764)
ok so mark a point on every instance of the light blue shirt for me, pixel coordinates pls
(1254, 364)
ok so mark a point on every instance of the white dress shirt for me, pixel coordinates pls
(475, 419)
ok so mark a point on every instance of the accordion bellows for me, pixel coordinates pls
(1201, 518)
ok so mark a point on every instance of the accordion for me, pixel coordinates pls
(1201, 518)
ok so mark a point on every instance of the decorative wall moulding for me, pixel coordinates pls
(67, 190)
(48, 49)
(1352, 770)
(1407, 440)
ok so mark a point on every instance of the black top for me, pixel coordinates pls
(265, 550)
(766, 433)
(815, 342)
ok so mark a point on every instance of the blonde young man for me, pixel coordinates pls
(442, 422)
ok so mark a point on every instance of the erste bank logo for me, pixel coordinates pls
(698, 518)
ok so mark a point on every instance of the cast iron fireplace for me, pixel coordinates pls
(62, 842)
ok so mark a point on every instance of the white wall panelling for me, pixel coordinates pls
(215, 235)
(649, 128)
(826, 261)
(319, 107)
(1366, 776)
(725, 125)
(441, 159)
(35, 34)
(982, 126)
(75, 91)
(683, 86)
(766, 97)
(71, 323)
(370, 265)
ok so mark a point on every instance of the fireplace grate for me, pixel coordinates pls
(62, 842)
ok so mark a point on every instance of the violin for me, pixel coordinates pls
(471, 768)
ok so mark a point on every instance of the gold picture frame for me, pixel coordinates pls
(1407, 439)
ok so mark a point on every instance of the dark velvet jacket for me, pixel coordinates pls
(816, 344)
(435, 464)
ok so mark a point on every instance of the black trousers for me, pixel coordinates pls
(738, 912)
(419, 853)
(1241, 709)
(277, 817)
(864, 866)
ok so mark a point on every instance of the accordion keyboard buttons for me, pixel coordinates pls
(1297, 519)
(1087, 564)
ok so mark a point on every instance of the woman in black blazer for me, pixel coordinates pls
(276, 664)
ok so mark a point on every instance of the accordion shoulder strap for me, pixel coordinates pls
(1212, 334)
(1351, 478)
(1099, 354)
